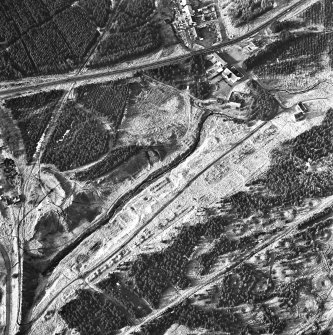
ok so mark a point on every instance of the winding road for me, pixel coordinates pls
(212, 278)
(107, 72)
(81, 77)
(135, 232)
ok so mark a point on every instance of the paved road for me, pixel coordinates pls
(8, 288)
(114, 209)
(131, 237)
(212, 278)
(87, 76)
(129, 69)
(174, 197)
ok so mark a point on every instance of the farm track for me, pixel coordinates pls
(63, 101)
(210, 279)
(81, 77)
(48, 134)
(88, 76)
(188, 184)
(92, 51)
(117, 206)
(123, 199)
(51, 126)
(119, 203)
(130, 194)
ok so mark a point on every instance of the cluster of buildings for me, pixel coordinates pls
(188, 20)
(220, 70)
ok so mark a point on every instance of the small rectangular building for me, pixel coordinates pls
(302, 107)
(299, 116)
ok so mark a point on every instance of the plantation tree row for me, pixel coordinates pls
(78, 139)
(33, 113)
(55, 36)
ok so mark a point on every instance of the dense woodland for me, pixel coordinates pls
(93, 313)
(246, 284)
(55, 36)
(297, 52)
(126, 45)
(34, 101)
(78, 139)
(98, 10)
(278, 26)
(194, 317)
(288, 179)
(79, 136)
(114, 287)
(32, 114)
(45, 36)
(224, 245)
(240, 286)
(288, 182)
(154, 273)
(135, 33)
(106, 100)
(80, 35)
(191, 72)
(89, 314)
(321, 12)
(265, 106)
(244, 11)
